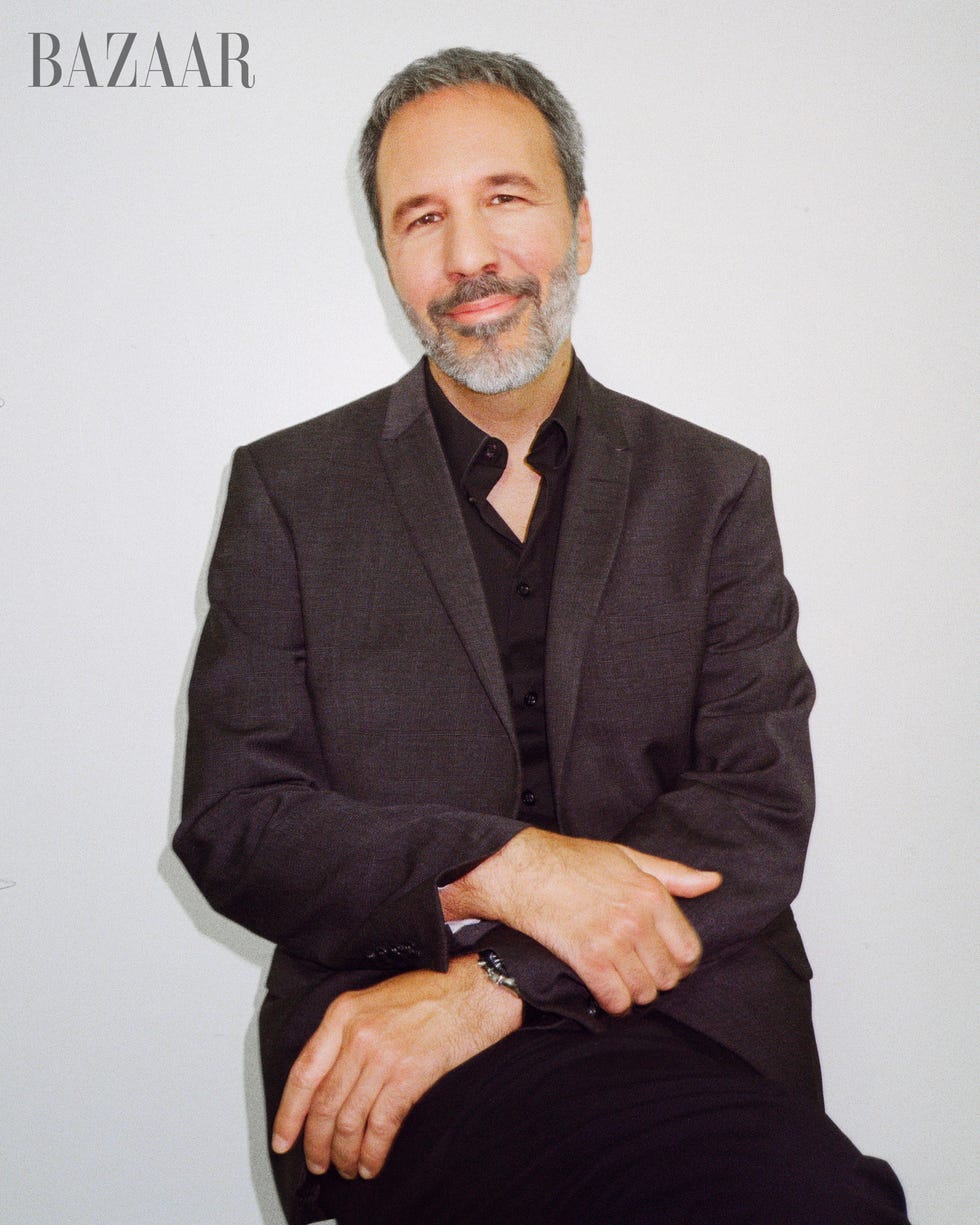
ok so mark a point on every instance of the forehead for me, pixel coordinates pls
(461, 134)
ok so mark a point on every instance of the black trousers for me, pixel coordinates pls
(649, 1123)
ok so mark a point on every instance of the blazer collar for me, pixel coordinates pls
(416, 467)
(594, 513)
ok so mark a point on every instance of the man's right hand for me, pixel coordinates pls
(606, 910)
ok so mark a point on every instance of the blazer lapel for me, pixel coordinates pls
(595, 510)
(420, 479)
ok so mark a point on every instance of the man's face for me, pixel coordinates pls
(481, 245)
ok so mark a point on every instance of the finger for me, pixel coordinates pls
(666, 965)
(329, 1101)
(313, 1064)
(351, 1119)
(387, 1115)
(680, 879)
(646, 972)
(679, 941)
(601, 975)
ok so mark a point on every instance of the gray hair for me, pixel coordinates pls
(463, 66)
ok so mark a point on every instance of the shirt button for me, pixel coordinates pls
(528, 798)
(523, 590)
(593, 1009)
(530, 698)
(491, 449)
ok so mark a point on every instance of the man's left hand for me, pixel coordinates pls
(376, 1052)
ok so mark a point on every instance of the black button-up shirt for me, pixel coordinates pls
(516, 575)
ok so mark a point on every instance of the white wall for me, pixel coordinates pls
(782, 196)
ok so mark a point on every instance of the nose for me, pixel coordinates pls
(470, 247)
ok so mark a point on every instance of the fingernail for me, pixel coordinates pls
(364, 1172)
(279, 1143)
(314, 1168)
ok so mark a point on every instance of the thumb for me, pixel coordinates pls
(678, 878)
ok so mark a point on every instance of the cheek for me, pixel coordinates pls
(532, 250)
(413, 281)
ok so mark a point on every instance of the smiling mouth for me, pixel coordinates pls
(484, 308)
(483, 298)
(484, 317)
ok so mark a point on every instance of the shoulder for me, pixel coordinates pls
(663, 442)
(647, 426)
(338, 449)
(338, 429)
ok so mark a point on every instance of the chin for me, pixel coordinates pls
(495, 370)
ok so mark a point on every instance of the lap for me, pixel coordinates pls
(648, 1123)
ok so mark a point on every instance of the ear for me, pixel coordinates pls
(584, 220)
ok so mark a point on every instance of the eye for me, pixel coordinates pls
(425, 219)
(503, 198)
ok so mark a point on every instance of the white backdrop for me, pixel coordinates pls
(782, 197)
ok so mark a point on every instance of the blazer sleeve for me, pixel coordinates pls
(331, 878)
(744, 804)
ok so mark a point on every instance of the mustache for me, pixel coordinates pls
(486, 285)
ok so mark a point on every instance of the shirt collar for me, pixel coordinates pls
(465, 443)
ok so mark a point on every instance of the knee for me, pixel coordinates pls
(796, 1167)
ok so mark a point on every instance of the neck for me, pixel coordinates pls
(512, 416)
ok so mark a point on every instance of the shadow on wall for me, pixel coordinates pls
(398, 325)
(211, 925)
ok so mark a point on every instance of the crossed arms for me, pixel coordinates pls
(605, 910)
(276, 842)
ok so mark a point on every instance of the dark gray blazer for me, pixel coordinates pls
(351, 743)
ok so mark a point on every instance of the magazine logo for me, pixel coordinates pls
(131, 62)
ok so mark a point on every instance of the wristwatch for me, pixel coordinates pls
(496, 971)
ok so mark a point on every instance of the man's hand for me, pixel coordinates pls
(376, 1052)
(606, 910)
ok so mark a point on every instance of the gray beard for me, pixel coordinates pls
(493, 368)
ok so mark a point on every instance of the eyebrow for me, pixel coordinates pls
(506, 179)
(410, 205)
(512, 179)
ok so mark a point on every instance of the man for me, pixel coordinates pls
(498, 729)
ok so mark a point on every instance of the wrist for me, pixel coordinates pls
(492, 890)
(498, 1008)
(482, 892)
